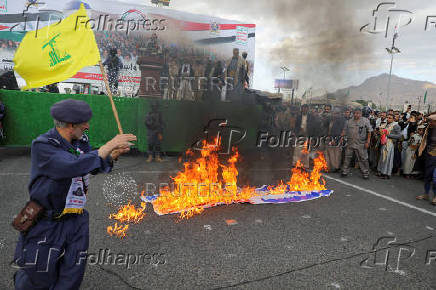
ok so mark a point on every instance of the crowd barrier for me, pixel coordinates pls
(28, 115)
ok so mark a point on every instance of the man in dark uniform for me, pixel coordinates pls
(114, 64)
(154, 124)
(2, 116)
(51, 254)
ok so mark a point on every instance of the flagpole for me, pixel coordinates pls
(109, 93)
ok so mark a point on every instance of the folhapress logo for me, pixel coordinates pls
(386, 17)
(222, 136)
(392, 256)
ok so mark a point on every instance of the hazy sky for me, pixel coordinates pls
(320, 40)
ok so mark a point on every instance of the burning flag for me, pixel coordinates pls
(205, 182)
(302, 186)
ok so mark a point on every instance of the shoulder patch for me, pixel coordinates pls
(45, 140)
(54, 141)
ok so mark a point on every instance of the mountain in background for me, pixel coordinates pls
(375, 89)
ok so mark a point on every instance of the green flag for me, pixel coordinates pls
(425, 97)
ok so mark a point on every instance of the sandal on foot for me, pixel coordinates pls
(422, 197)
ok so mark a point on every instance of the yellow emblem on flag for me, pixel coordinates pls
(56, 52)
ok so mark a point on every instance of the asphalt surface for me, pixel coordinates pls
(320, 244)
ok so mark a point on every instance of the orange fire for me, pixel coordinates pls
(126, 214)
(301, 180)
(205, 181)
(117, 230)
(129, 213)
(305, 148)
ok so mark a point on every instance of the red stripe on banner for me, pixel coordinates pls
(88, 76)
(99, 77)
(233, 26)
(3, 27)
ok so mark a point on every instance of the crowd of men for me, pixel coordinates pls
(184, 66)
(388, 143)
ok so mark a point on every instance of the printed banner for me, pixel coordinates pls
(128, 28)
(242, 35)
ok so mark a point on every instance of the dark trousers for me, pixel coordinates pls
(113, 81)
(397, 159)
(362, 157)
(153, 145)
(430, 173)
(52, 255)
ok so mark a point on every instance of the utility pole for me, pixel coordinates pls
(380, 100)
(393, 50)
(285, 69)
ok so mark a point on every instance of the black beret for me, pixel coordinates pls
(71, 111)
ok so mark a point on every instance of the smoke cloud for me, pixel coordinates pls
(322, 43)
(326, 42)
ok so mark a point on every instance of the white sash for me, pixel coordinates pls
(76, 197)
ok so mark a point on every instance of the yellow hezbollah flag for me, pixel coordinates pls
(56, 52)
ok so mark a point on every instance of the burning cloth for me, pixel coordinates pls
(206, 182)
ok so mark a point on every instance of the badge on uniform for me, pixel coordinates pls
(76, 197)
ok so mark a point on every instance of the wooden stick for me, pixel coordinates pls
(114, 109)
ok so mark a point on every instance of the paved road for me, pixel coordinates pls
(318, 244)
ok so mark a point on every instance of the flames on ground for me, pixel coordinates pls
(301, 180)
(208, 179)
(126, 214)
(204, 182)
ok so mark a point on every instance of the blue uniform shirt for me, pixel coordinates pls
(55, 162)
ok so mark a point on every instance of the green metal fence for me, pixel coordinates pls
(28, 116)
